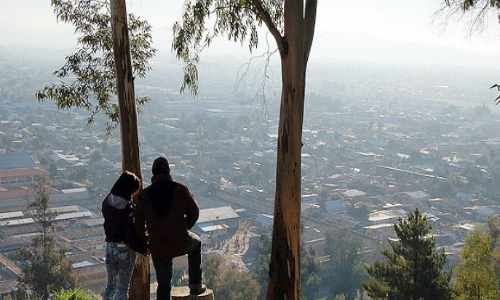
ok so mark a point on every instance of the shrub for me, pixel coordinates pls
(74, 294)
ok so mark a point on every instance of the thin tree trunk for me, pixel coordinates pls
(139, 285)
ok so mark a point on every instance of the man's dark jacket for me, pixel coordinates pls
(168, 210)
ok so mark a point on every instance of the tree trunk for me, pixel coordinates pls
(139, 285)
(284, 269)
(294, 46)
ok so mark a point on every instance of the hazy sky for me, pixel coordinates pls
(363, 30)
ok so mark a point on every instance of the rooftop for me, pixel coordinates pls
(11, 215)
(216, 214)
(22, 172)
(13, 161)
(417, 195)
(353, 193)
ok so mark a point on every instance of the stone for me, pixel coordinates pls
(182, 293)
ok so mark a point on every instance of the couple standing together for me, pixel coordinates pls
(164, 212)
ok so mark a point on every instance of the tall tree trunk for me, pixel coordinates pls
(139, 285)
(294, 46)
(284, 269)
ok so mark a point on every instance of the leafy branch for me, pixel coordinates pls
(87, 79)
(238, 20)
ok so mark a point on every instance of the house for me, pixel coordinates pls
(353, 193)
(415, 197)
(63, 159)
(164, 133)
(19, 169)
(265, 220)
(9, 274)
(335, 207)
(484, 213)
(383, 231)
(462, 230)
(463, 197)
(217, 220)
(386, 216)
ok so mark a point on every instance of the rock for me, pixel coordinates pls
(182, 293)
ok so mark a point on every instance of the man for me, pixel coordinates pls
(168, 210)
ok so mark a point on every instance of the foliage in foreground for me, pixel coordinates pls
(75, 294)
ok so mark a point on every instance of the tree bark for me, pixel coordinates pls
(294, 46)
(139, 285)
(284, 269)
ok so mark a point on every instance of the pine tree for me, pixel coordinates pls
(44, 268)
(475, 277)
(413, 270)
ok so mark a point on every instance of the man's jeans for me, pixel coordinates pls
(120, 261)
(163, 267)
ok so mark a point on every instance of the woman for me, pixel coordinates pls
(121, 238)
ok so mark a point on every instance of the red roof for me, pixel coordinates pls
(23, 172)
(23, 193)
(16, 194)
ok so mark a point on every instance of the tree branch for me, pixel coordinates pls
(310, 24)
(266, 18)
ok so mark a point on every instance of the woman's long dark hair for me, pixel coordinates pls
(126, 185)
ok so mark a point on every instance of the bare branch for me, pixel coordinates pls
(477, 10)
(266, 18)
(478, 21)
(310, 24)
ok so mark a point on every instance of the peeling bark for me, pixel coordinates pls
(284, 268)
(139, 285)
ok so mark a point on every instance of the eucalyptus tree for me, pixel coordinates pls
(476, 8)
(87, 79)
(113, 49)
(292, 24)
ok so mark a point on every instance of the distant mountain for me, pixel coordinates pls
(359, 48)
